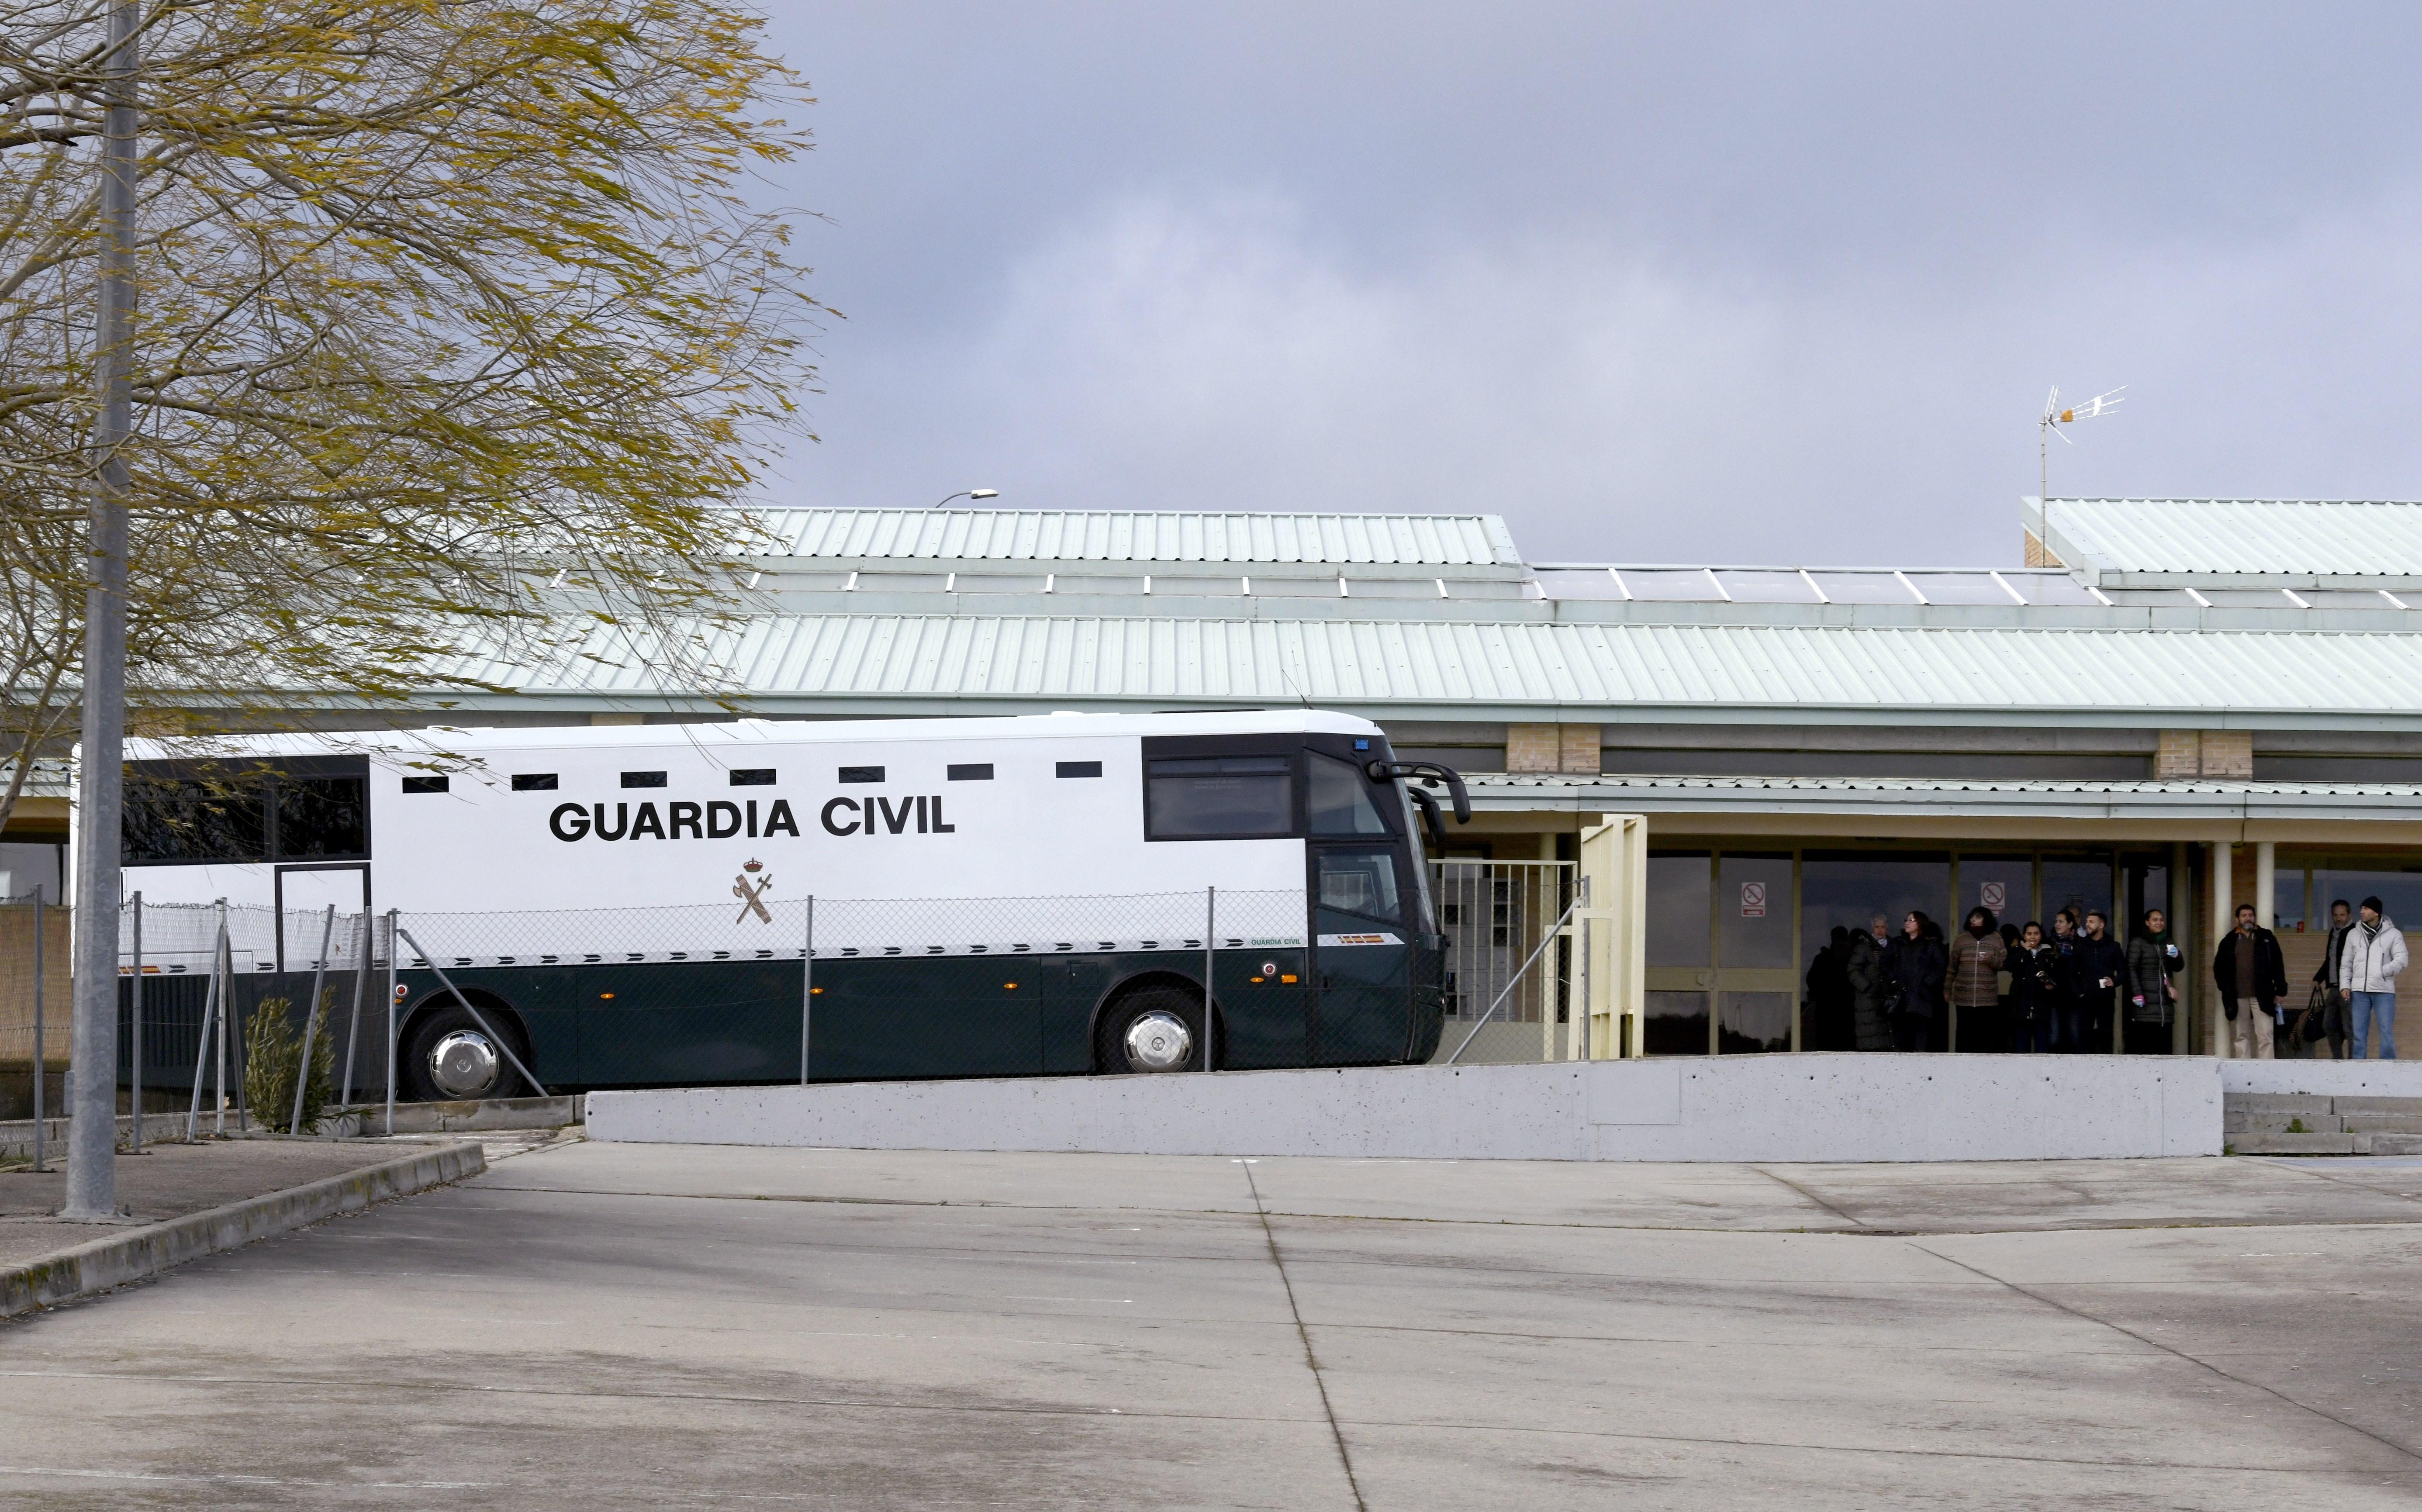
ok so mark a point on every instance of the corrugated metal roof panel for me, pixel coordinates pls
(1057, 535)
(1592, 668)
(1894, 799)
(2309, 537)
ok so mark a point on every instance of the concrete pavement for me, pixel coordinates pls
(632, 1324)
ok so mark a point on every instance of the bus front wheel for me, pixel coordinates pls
(1158, 1028)
(450, 1057)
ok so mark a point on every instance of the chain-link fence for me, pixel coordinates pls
(444, 1005)
(847, 990)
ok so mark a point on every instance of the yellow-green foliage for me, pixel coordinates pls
(270, 1049)
(454, 334)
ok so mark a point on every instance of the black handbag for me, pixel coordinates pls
(2312, 1024)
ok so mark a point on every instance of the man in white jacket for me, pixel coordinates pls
(2368, 962)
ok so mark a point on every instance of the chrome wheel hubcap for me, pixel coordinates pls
(463, 1063)
(1159, 1041)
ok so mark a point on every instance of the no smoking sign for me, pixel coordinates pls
(1752, 900)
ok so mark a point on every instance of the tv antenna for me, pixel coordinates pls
(2047, 425)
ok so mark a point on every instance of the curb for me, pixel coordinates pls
(119, 1258)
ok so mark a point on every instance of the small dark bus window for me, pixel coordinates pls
(752, 777)
(1340, 800)
(533, 781)
(1218, 797)
(171, 820)
(1079, 769)
(862, 774)
(424, 784)
(643, 780)
(971, 771)
(1360, 882)
(322, 816)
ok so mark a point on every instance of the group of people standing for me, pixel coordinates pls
(1900, 987)
(2064, 989)
(2353, 1004)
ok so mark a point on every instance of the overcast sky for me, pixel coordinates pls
(1679, 283)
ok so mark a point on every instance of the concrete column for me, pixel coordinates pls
(2182, 930)
(2266, 875)
(2224, 906)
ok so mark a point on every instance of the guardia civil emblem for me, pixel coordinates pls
(751, 889)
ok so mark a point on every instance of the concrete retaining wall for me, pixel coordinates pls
(1833, 1108)
(2326, 1079)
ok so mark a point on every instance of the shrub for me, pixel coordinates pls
(271, 1050)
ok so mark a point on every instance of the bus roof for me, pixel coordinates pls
(422, 742)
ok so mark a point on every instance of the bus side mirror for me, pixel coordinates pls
(1429, 774)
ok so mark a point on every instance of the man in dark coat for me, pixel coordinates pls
(2096, 969)
(2252, 977)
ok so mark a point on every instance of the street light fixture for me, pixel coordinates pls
(972, 493)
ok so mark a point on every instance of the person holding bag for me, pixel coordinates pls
(2325, 981)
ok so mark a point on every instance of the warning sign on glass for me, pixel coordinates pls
(1752, 900)
(1993, 895)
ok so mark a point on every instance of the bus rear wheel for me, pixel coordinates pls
(448, 1057)
(1157, 1029)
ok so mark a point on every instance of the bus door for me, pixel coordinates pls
(1362, 953)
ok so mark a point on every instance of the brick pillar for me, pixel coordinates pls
(1577, 749)
(2183, 755)
(2229, 753)
(2178, 757)
(1532, 748)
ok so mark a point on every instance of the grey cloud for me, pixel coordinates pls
(1657, 283)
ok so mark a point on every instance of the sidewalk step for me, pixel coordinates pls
(2292, 1143)
(2285, 1104)
(2378, 1105)
(2356, 1123)
(2233, 1123)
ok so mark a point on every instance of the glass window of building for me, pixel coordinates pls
(1756, 982)
(1680, 952)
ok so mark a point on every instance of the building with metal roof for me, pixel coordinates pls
(2180, 704)
(2349, 545)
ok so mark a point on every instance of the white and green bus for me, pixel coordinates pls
(630, 905)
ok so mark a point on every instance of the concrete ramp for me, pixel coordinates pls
(1794, 1107)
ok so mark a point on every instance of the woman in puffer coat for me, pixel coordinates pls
(1976, 955)
(2038, 989)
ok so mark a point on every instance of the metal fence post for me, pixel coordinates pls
(202, 1041)
(361, 980)
(134, 994)
(504, 1045)
(1210, 923)
(311, 1016)
(808, 987)
(39, 1036)
(223, 976)
(1589, 1004)
(393, 925)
